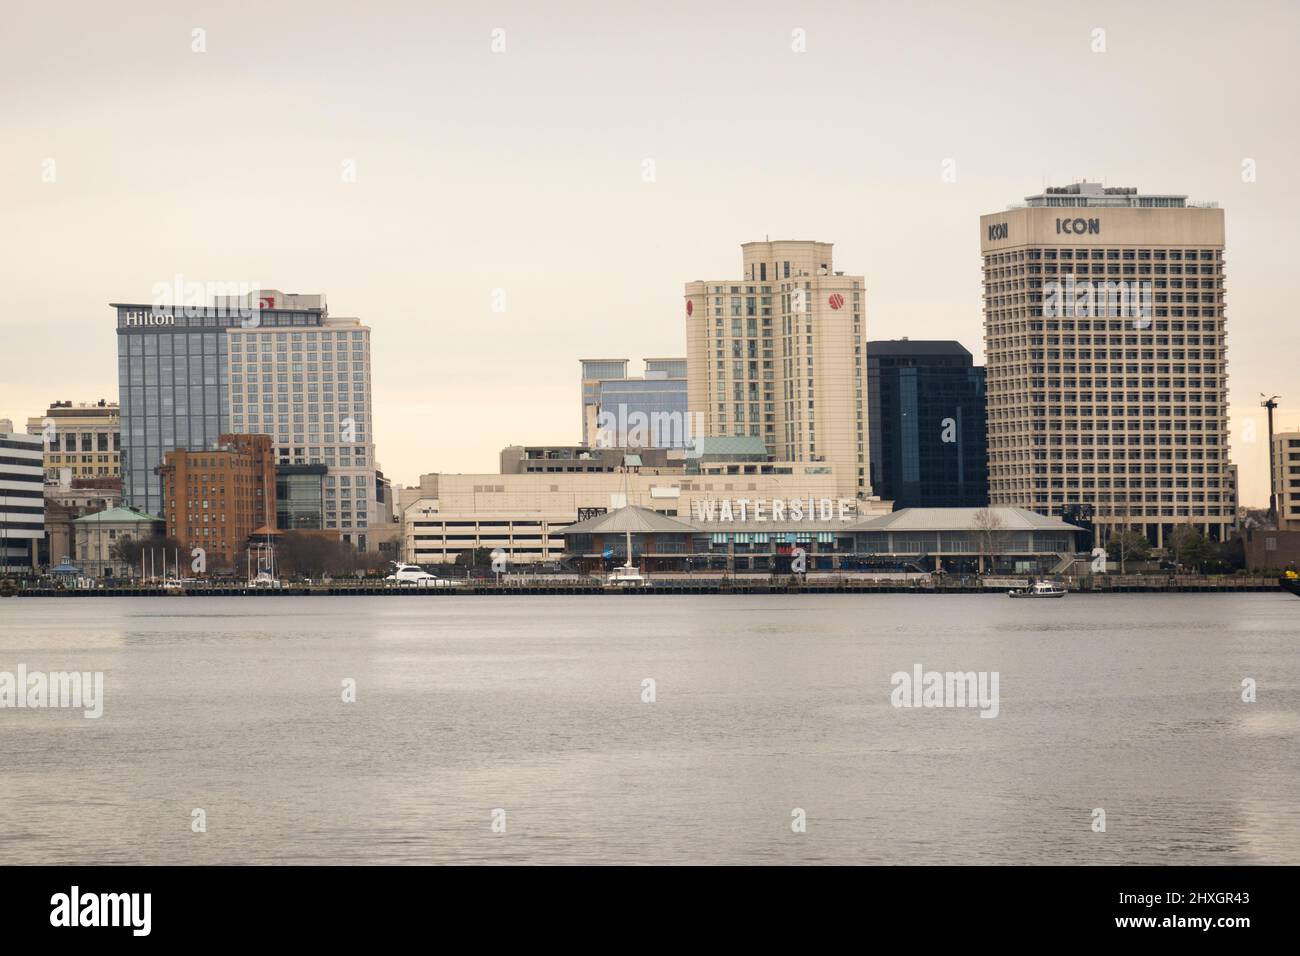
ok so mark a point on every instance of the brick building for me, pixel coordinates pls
(215, 499)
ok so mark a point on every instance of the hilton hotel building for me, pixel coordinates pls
(781, 354)
(1116, 399)
(286, 368)
(308, 387)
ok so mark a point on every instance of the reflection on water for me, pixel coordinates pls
(763, 704)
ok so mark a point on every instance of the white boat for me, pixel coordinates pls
(416, 576)
(1040, 589)
(626, 576)
(264, 580)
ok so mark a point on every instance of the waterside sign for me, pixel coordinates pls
(775, 509)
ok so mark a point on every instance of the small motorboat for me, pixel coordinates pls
(1290, 581)
(1040, 589)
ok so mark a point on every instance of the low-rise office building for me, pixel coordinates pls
(584, 459)
(1286, 479)
(22, 500)
(85, 440)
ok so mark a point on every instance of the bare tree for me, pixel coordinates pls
(987, 526)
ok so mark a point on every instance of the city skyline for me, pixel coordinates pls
(584, 245)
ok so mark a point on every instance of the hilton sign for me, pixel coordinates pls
(147, 317)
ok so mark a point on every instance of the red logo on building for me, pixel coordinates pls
(690, 307)
(836, 301)
(266, 302)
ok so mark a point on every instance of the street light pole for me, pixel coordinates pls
(1271, 404)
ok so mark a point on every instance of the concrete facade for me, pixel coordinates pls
(1107, 359)
(84, 439)
(1286, 479)
(22, 500)
(780, 354)
(309, 388)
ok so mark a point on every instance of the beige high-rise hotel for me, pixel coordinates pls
(1107, 359)
(780, 354)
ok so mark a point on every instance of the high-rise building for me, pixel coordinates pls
(214, 498)
(779, 354)
(22, 499)
(309, 388)
(928, 446)
(173, 378)
(648, 411)
(85, 439)
(1106, 359)
(1286, 479)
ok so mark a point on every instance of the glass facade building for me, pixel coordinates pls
(657, 405)
(927, 425)
(642, 412)
(300, 497)
(173, 382)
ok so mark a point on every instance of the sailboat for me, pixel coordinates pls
(627, 575)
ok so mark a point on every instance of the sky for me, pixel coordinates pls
(423, 164)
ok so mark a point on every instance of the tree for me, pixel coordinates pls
(1191, 548)
(1232, 553)
(1128, 545)
(157, 552)
(987, 526)
(312, 556)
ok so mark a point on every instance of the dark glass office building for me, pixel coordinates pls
(300, 497)
(926, 421)
(173, 381)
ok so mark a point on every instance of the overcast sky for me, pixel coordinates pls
(524, 171)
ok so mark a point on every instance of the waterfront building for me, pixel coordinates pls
(216, 498)
(1107, 359)
(22, 499)
(646, 412)
(1286, 479)
(779, 354)
(913, 539)
(85, 440)
(309, 388)
(523, 515)
(928, 447)
(96, 538)
(173, 378)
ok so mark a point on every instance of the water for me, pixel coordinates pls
(764, 704)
